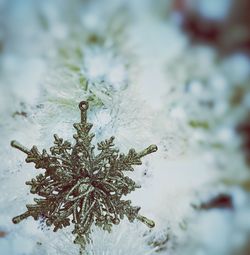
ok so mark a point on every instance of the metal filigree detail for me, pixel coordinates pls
(82, 187)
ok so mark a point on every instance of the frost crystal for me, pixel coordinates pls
(80, 186)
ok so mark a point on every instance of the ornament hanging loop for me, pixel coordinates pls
(83, 106)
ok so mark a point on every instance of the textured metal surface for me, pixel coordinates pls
(81, 187)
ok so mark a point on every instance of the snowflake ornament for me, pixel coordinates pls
(82, 187)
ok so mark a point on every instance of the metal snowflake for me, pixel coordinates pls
(81, 187)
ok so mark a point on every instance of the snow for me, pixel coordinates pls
(146, 85)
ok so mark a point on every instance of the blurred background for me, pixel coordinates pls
(171, 72)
